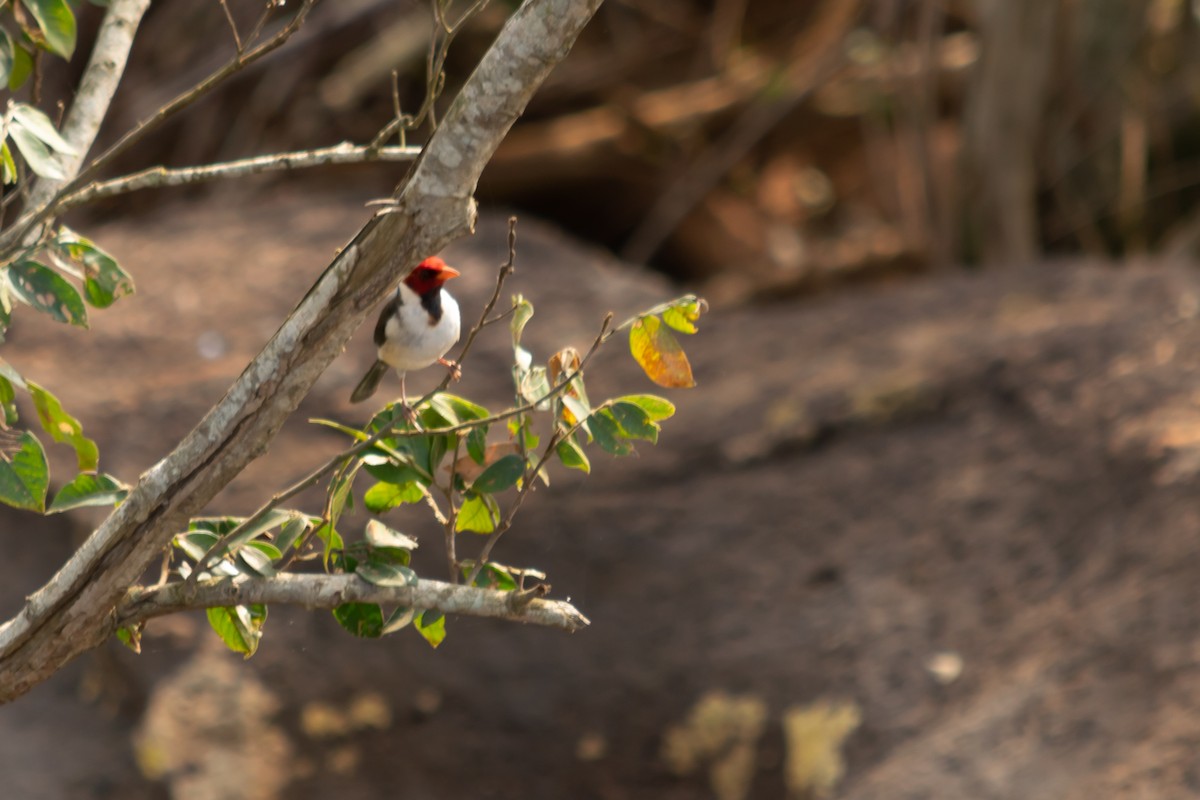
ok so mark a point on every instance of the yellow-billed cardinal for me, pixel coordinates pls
(415, 328)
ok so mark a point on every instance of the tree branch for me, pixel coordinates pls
(160, 177)
(96, 90)
(40, 212)
(68, 615)
(331, 591)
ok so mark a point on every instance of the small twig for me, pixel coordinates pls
(237, 40)
(48, 208)
(494, 536)
(331, 591)
(160, 177)
(398, 123)
(449, 523)
(506, 270)
(268, 7)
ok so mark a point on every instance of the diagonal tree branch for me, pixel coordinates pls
(75, 611)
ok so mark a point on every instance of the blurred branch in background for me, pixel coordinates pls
(1003, 120)
(761, 146)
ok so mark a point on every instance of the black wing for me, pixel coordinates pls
(387, 313)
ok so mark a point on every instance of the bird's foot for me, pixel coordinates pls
(455, 369)
(410, 415)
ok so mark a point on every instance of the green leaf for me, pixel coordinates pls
(399, 619)
(22, 68)
(8, 405)
(36, 122)
(218, 526)
(270, 520)
(574, 409)
(104, 282)
(383, 574)
(608, 434)
(88, 490)
(497, 576)
(6, 58)
(24, 475)
(195, 544)
(361, 619)
(456, 410)
(292, 530)
(656, 408)
(8, 166)
(390, 470)
(251, 560)
(57, 22)
(422, 454)
(477, 515)
(10, 374)
(477, 444)
(635, 423)
(522, 313)
(500, 475)
(47, 291)
(340, 496)
(131, 636)
(530, 438)
(432, 625)
(385, 496)
(337, 426)
(240, 627)
(683, 313)
(534, 385)
(36, 154)
(63, 427)
(331, 538)
(269, 550)
(659, 354)
(571, 454)
(380, 535)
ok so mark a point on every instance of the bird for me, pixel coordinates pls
(416, 328)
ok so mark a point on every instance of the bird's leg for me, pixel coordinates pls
(409, 413)
(455, 369)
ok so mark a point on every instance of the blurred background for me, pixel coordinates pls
(765, 146)
(926, 528)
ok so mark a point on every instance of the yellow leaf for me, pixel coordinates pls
(815, 735)
(683, 313)
(658, 352)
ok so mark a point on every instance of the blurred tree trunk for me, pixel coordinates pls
(1004, 121)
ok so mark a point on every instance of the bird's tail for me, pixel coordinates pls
(370, 382)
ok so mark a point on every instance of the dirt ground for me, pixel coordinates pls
(959, 511)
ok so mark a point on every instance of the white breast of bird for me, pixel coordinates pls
(412, 341)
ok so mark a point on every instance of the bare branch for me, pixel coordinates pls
(96, 90)
(68, 615)
(237, 40)
(331, 591)
(160, 177)
(41, 211)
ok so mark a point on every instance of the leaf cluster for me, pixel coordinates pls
(472, 467)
